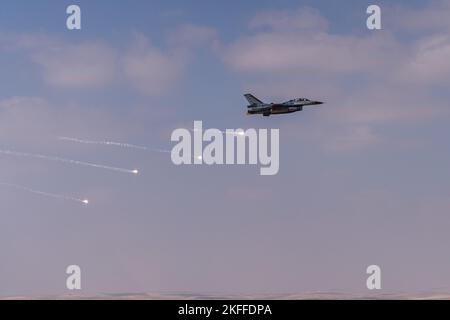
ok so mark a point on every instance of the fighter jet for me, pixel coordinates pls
(266, 109)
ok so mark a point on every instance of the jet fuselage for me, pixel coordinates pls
(266, 109)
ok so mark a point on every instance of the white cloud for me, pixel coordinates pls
(85, 65)
(366, 80)
(334, 137)
(430, 63)
(378, 104)
(21, 115)
(26, 119)
(286, 47)
(290, 46)
(434, 17)
(150, 70)
(62, 64)
(282, 52)
(154, 71)
(34, 119)
(10, 104)
(351, 138)
(189, 36)
(302, 20)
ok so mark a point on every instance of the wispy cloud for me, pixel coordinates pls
(368, 77)
(84, 65)
(429, 64)
(289, 45)
(150, 69)
(301, 20)
(431, 17)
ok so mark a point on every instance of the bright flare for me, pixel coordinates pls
(43, 193)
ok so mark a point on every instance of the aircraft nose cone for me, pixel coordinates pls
(319, 102)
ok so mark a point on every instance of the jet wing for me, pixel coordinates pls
(278, 107)
(264, 108)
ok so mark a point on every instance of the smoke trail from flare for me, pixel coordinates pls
(68, 161)
(234, 133)
(112, 143)
(45, 194)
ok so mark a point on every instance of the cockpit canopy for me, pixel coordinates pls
(300, 100)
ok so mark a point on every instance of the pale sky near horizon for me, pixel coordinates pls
(363, 179)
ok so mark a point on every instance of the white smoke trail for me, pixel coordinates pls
(112, 143)
(107, 143)
(234, 133)
(69, 161)
(45, 194)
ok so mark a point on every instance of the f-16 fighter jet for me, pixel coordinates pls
(266, 109)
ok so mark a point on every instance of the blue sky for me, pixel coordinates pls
(363, 179)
